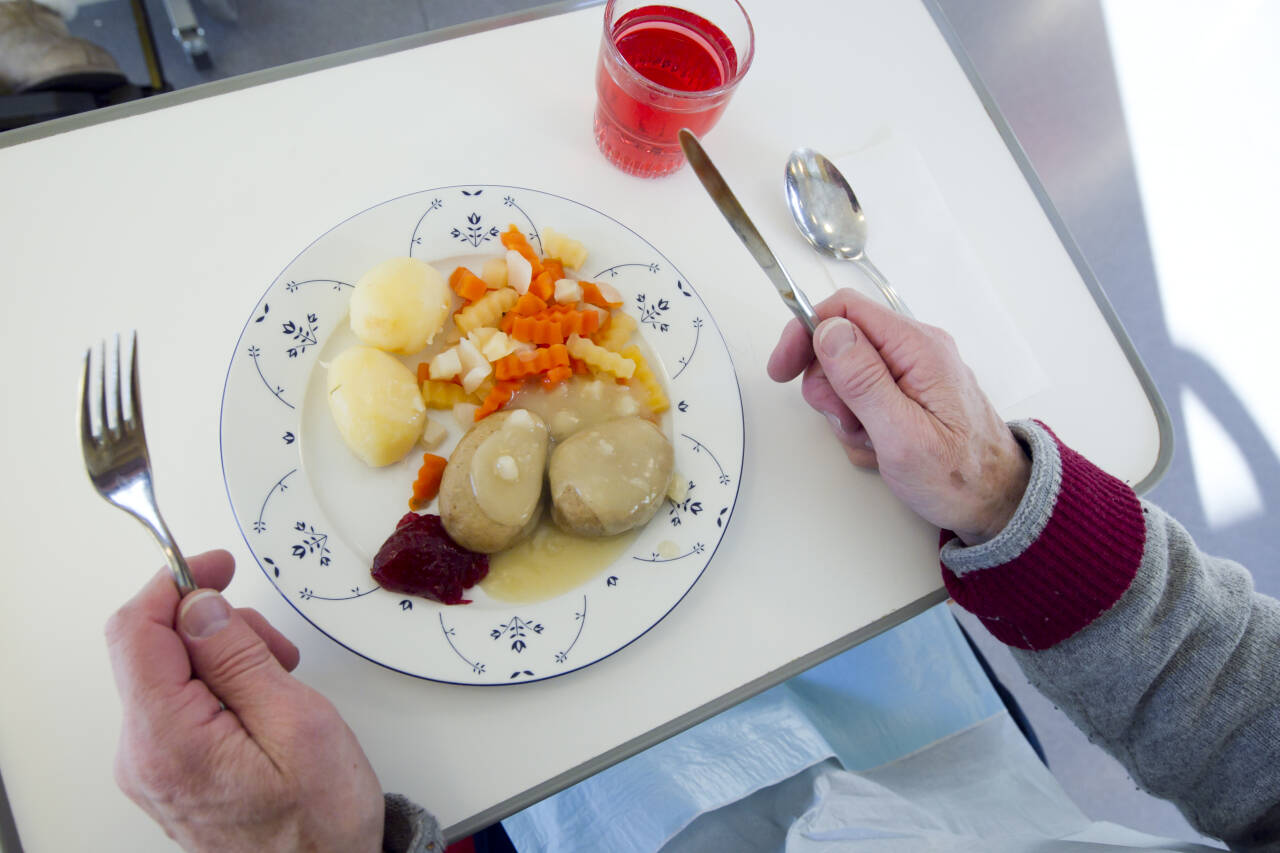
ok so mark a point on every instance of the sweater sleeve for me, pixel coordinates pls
(1164, 656)
(409, 828)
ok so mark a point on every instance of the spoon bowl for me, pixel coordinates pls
(827, 213)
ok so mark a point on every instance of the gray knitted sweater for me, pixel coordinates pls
(1164, 656)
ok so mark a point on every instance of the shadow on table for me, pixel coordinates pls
(1050, 70)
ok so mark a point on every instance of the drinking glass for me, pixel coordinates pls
(662, 68)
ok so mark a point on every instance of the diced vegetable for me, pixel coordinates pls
(485, 312)
(555, 376)
(494, 273)
(442, 395)
(553, 326)
(446, 365)
(600, 359)
(479, 337)
(498, 346)
(520, 365)
(529, 304)
(427, 485)
(433, 434)
(554, 267)
(616, 332)
(515, 241)
(470, 356)
(557, 245)
(466, 284)
(568, 291)
(536, 330)
(677, 488)
(544, 286)
(471, 381)
(602, 295)
(519, 271)
(497, 398)
(656, 398)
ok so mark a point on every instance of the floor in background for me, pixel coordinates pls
(1051, 69)
(268, 33)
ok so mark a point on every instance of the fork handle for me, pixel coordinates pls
(177, 563)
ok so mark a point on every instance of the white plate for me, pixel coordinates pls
(314, 516)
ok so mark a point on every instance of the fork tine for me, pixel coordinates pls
(102, 389)
(117, 387)
(86, 413)
(135, 390)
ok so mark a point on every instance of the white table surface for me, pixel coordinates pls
(175, 220)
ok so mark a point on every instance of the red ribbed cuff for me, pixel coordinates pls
(1082, 562)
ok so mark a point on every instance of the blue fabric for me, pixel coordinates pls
(886, 698)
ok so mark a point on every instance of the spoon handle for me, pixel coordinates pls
(877, 278)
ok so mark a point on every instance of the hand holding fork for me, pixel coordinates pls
(205, 685)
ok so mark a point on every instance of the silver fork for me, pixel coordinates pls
(115, 451)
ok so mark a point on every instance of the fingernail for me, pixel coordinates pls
(835, 336)
(835, 423)
(204, 614)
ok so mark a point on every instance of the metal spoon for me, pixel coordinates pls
(828, 215)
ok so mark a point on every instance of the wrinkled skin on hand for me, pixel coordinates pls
(275, 769)
(899, 399)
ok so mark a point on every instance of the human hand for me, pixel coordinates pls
(899, 398)
(275, 769)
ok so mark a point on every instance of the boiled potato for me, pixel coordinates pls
(491, 491)
(376, 404)
(400, 305)
(610, 478)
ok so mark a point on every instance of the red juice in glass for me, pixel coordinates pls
(662, 68)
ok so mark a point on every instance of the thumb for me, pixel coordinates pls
(227, 654)
(858, 375)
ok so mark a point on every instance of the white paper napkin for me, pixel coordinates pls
(914, 240)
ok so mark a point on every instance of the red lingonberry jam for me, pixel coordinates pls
(419, 558)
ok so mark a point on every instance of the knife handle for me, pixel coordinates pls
(796, 300)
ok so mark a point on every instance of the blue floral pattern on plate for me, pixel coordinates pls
(313, 516)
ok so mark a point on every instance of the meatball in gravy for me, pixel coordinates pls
(491, 492)
(610, 478)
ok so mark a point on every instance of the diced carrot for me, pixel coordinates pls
(467, 284)
(427, 484)
(554, 325)
(424, 372)
(529, 304)
(512, 238)
(592, 296)
(498, 397)
(543, 285)
(555, 376)
(580, 367)
(554, 267)
(537, 330)
(584, 323)
(521, 364)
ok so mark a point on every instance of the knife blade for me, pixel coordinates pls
(747, 232)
